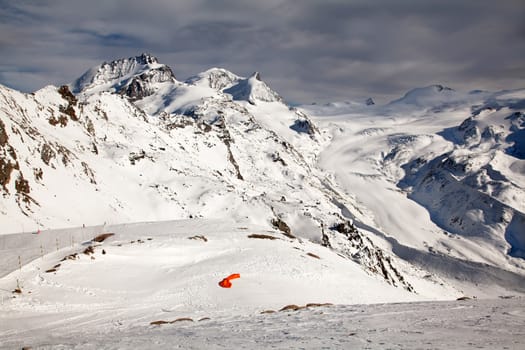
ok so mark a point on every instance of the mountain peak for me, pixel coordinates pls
(430, 90)
(431, 95)
(253, 89)
(133, 77)
(146, 58)
(216, 78)
(440, 88)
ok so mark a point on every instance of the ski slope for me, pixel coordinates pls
(168, 270)
(165, 271)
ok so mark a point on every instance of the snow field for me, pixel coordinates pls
(170, 270)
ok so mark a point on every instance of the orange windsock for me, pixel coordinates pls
(226, 282)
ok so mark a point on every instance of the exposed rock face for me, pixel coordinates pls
(134, 77)
(8, 162)
(141, 86)
(361, 249)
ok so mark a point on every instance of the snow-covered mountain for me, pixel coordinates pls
(217, 146)
(423, 194)
(135, 77)
(128, 142)
(459, 156)
(477, 188)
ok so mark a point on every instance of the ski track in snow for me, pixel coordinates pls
(472, 324)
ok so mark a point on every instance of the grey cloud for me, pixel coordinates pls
(308, 50)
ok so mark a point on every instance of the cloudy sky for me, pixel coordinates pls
(307, 50)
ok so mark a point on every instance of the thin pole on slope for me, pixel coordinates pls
(19, 263)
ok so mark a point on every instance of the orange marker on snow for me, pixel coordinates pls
(226, 282)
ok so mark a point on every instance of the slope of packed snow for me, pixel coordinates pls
(151, 282)
(168, 270)
(494, 324)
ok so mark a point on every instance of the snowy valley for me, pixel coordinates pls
(346, 203)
